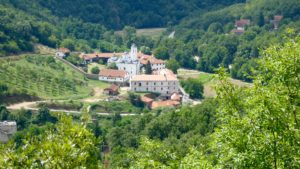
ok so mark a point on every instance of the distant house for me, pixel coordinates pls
(147, 100)
(62, 52)
(111, 75)
(237, 32)
(112, 90)
(165, 85)
(176, 97)
(276, 20)
(241, 24)
(156, 64)
(7, 129)
(95, 57)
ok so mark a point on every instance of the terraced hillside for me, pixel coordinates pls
(44, 77)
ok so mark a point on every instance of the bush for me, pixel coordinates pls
(95, 70)
(193, 87)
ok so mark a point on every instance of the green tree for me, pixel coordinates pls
(261, 20)
(161, 52)
(193, 87)
(173, 65)
(215, 27)
(260, 125)
(148, 68)
(112, 66)
(67, 145)
(129, 35)
(44, 116)
(4, 113)
(68, 43)
(95, 70)
(146, 50)
(136, 100)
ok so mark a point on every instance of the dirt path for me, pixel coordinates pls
(32, 106)
(98, 92)
(24, 105)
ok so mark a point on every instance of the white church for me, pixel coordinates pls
(128, 62)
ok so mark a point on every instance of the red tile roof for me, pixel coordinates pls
(113, 73)
(166, 103)
(278, 17)
(242, 23)
(99, 55)
(154, 78)
(145, 58)
(146, 100)
(163, 72)
(113, 88)
(238, 32)
(64, 50)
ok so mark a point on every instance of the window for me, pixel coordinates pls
(154, 83)
(154, 88)
(147, 88)
(161, 83)
(140, 84)
(147, 83)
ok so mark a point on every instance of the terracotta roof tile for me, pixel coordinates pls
(99, 55)
(154, 78)
(113, 73)
(145, 58)
(64, 50)
(146, 99)
(278, 17)
(163, 72)
(113, 87)
(242, 22)
(166, 103)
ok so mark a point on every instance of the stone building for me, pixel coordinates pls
(156, 64)
(128, 62)
(62, 52)
(111, 75)
(165, 85)
(7, 129)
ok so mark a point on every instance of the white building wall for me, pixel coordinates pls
(132, 69)
(163, 87)
(60, 54)
(111, 79)
(7, 129)
(158, 66)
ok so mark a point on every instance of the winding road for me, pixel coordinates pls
(30, 106)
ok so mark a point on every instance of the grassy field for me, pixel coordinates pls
(209, 80)
(44, 77)
(152, 32)
(93, 64)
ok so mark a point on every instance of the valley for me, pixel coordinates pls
(149, 84)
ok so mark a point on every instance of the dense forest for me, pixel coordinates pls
(209, 36)
(118, 13)
(86, 27)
